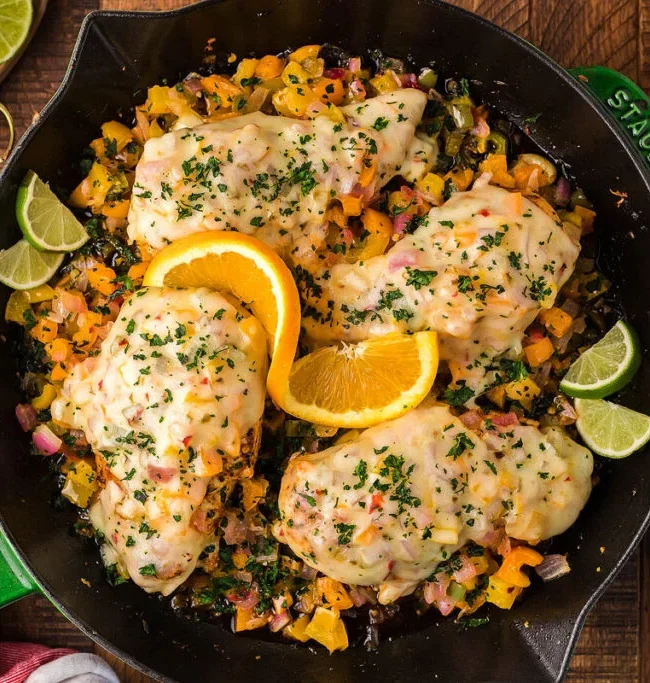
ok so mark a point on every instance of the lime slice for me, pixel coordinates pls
(46, 222)
(609, 429)
(607, 366)
(15, 20)
(23, 267)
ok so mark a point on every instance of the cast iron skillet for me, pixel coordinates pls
(119, 53)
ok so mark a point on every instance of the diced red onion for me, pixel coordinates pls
(552, 567)
(279, 621)
(471, 419)
(504, 419)
(541, 374)
(244, 577)
(246, 601)
(579, 325)
(26, 416)
(336, 73)
(562, 192)
(308, 573)
(235, 530)
(357, 89)
(571, 307)
(354, 64)
(357, 597)
(400, 222)
(47, 442)
(409, 81)
(481, 129)
(193, 85)
(466, 572)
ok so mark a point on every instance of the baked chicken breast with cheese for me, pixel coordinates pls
(477, 270)
(273, 177)
(385, 508)
(171, 406)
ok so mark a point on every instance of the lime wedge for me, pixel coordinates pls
(609, 429)
(46, 222)
(23, 267)
(607, 366)
(15, 20)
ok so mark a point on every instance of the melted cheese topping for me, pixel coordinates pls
(271, 176)
(477, 270)
(386, 508)
(167, 406)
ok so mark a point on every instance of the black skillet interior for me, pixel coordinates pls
(120, 54)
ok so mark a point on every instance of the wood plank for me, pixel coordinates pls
(40, 71)
(615, 644)
(587, 32)
(643, 52)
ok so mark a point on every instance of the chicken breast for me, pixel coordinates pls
(387, 507)
(171, 407)
(477, 270)
(273, 177)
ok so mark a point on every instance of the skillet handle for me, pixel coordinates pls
(625, 101)
(15, 580)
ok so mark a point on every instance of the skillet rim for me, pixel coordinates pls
(558, 72)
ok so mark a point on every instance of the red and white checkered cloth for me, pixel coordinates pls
(39, 664)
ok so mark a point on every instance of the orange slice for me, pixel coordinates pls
(249, 270)
(360, 385)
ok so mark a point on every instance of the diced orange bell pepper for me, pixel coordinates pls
(58, 373)
(330, 90)
(461, 178)
(368, 172)
(333, 594)
(352, 206)
(269, 66)
(137, 270)
(539, 352)
(510, 569)
(44, 331)
(327, 628)
(58, 350)
(556, 321)
(224, 89)
(253, 492)
(119, 209)
(102, 278)
(247, 619)
(296, 630)
(497, 165)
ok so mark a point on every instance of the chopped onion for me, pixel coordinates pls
(26, 416)
(400, 222)
(354, 65)
(562, 192)
(357, 89)
(571, 307)
(552, 567)
(279, 621)
(308, 573)
(47, 442)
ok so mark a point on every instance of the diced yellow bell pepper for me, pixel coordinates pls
(294, 74)
(99, 184)
(46, 397)
(481, 563)
(58, 350)
(38, 294)
(333, 594)
(245, 70)
(80, 483)
(587, 217)
(501, 593)
(461, 178)
(119, 209)
(386, 82)
(296, 629)
(293, 101)
(523, 390)
(327, 628)
(498, 395)
(305, 52)
(114, 130)
(433, 186)
(17, 305)
(58, 373)
(379, 229)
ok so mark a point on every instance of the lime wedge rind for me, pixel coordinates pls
(23, 267)
(611, 430)
(607, 366)
(47, 224)
(15, 22)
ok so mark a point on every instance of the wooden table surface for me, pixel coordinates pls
(615, 643)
